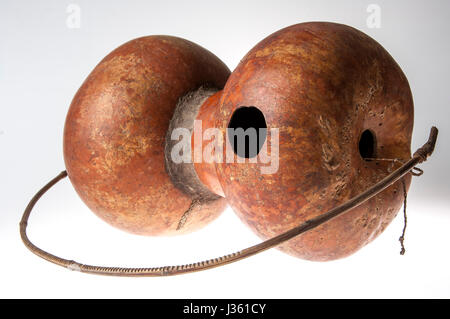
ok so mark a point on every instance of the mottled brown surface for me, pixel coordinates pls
(206, 168)
(115, 130)
(322, 85)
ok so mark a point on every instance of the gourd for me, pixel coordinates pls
(332, 113)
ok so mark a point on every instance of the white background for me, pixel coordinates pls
(42, 64)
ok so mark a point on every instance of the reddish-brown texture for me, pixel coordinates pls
(322, 85)
(205, 168)
(115, 132)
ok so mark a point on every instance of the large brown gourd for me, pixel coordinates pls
(337, 98)
(341, 108)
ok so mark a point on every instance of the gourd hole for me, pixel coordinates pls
(367, 144)
(248, 141)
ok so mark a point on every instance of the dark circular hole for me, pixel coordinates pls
(367, 144)
(247, 131)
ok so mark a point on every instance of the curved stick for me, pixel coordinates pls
(419, 156)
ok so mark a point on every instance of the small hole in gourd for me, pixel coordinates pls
(367, 144)
(248, 141)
